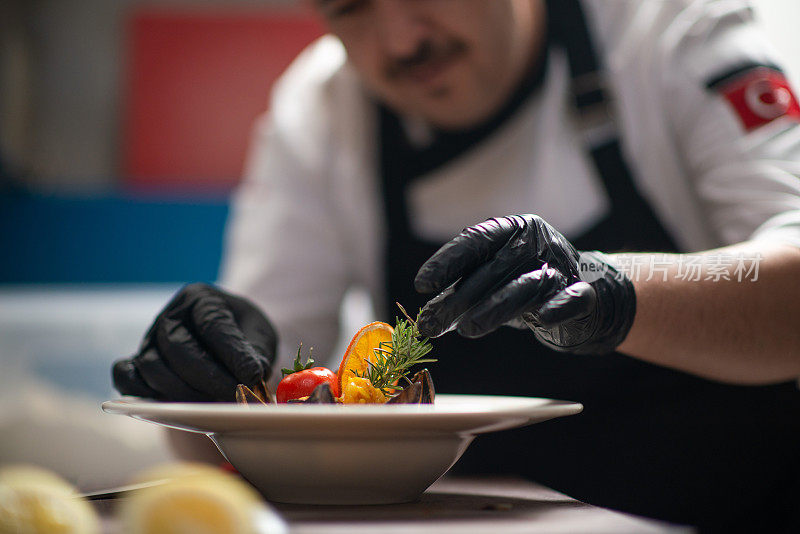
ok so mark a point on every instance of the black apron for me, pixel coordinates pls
(650, 441)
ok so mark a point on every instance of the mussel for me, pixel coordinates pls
(321, 395)
(411, 394)
(428, 392)
(260, 394)
(420, 391)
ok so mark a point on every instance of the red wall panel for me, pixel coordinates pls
(195, 83)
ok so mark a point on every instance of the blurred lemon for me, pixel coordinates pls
(36, 501)
(199, 499)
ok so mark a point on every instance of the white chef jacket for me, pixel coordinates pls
(306, 222)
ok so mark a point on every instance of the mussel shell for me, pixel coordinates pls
(409, 395)
(246, 396)
(321, 395)
(428, 392)
(263, 392)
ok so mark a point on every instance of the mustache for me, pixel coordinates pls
(426, 53)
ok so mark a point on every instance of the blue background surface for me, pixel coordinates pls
(110, 238)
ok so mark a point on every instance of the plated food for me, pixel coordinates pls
(335, 440)
(374, 370)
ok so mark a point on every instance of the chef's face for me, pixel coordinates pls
(451, 62)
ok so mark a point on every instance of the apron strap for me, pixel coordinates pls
(596, 119)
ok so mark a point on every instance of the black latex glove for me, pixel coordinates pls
(520, 271)
(201, 345)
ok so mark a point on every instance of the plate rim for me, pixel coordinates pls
(135, 406)
(326, 420)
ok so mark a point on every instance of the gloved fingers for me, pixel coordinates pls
(216, 329)
(162, 379)
(192, 363)
(437, 316)
(176, 308)
(256, 328)
(441, 313)
(517, 322)
(444, 310)
(521, 295)
(573, 302)
(473, 247)
(128, 381)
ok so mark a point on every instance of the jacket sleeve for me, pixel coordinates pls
(721, 81)
(283, 243)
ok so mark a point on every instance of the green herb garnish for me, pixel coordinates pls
(394, 359)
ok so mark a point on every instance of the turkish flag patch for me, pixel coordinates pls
(759, 95)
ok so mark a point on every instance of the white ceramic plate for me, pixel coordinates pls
(451, 413)
(345, 454)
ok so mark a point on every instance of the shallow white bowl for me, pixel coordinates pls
(352, 454)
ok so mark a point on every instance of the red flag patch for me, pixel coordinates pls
(759, 96)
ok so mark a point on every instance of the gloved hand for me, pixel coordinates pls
(201, 345)
(520, 271)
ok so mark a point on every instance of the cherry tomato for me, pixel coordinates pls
(302, 383)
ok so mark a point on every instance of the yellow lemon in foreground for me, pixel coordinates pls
(199, 499)
(36, 501)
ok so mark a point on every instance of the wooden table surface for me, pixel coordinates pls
(462, 506)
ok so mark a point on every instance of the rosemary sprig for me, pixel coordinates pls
(297, 365)
(394, 359)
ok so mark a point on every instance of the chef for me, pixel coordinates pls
(617, 180)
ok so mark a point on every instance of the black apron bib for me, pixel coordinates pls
(650, 440)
